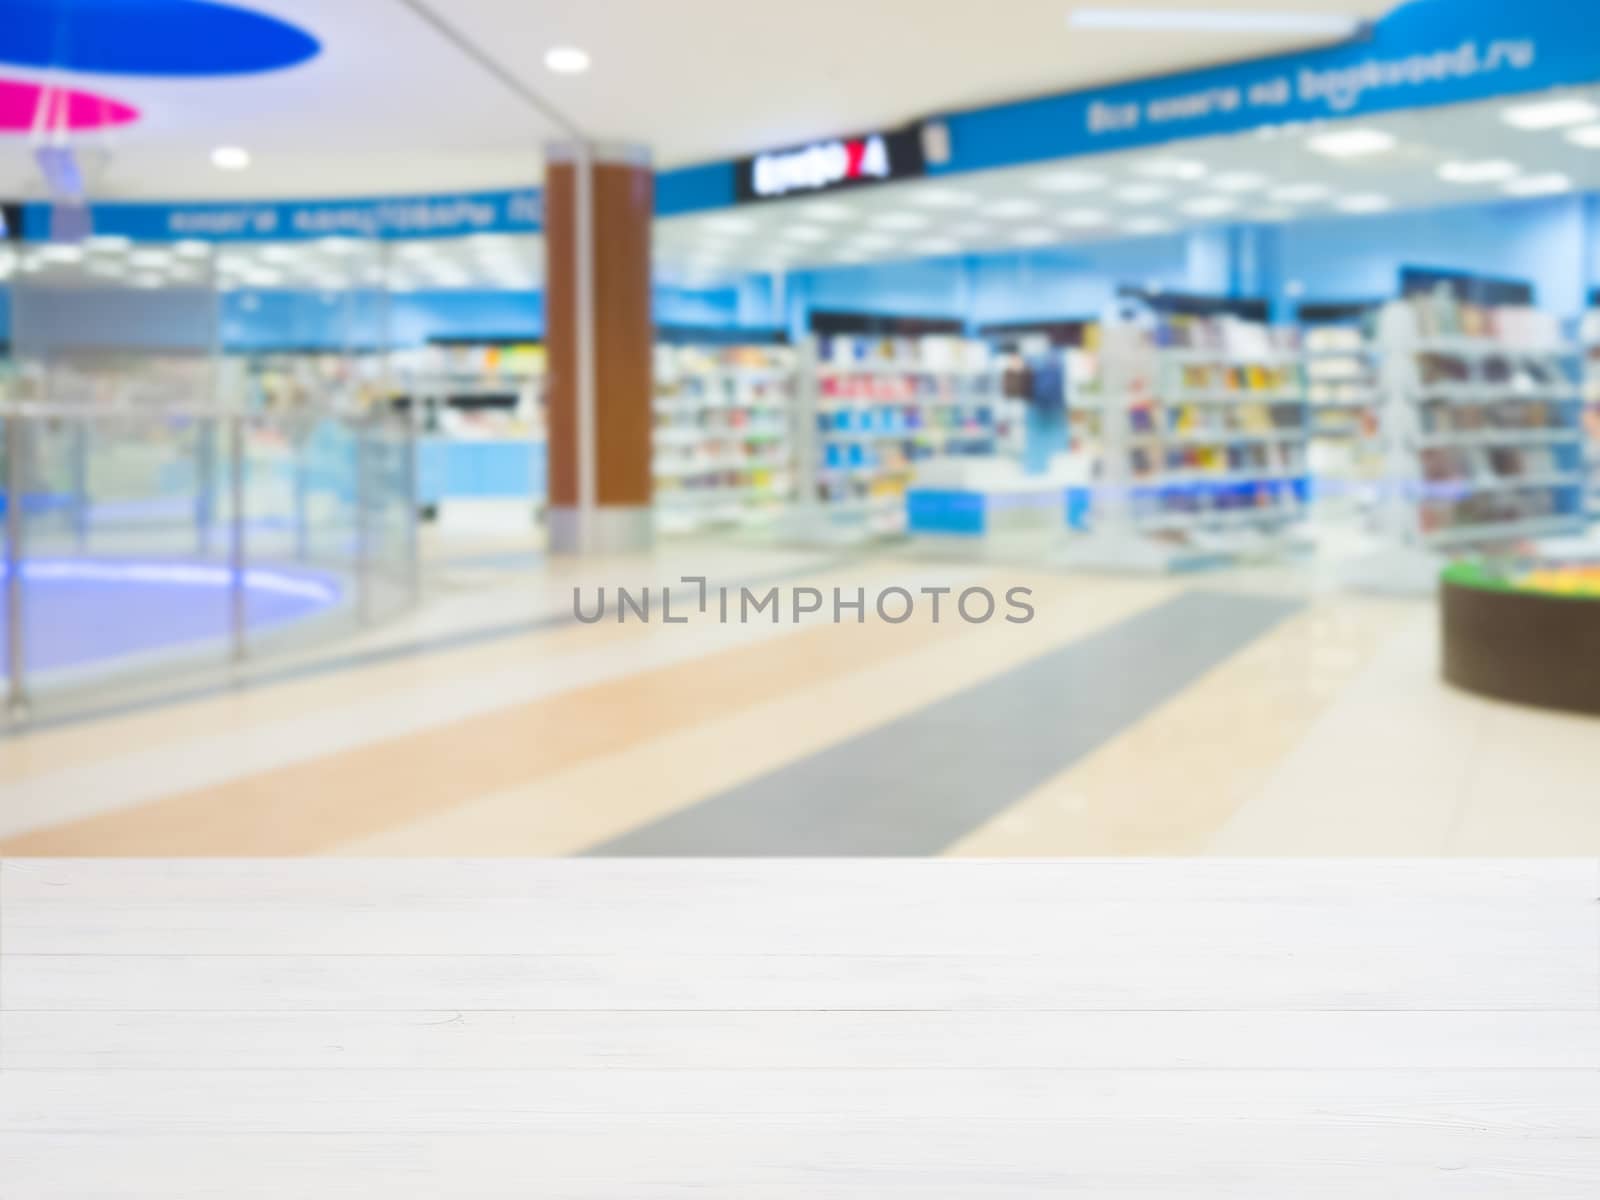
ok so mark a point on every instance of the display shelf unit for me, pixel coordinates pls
(1482, 430)
(879, 406)
(1343, 398)
(1202, 436)
(1589, 335)
(723, 441)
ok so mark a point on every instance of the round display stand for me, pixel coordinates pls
(1530, 636)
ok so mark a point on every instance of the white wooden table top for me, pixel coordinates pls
(960, 1029)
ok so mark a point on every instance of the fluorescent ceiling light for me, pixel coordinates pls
(1142, 193)
(1007, 210)
(1550, 114)
(899, 220)
(828, 212)
(1189, 20)
(1035, 237)
(566, 60)
(1363, 202)
(1208, 206)
(1147, 225)
(727, 223)
(276, 254)
(1587, 136)
(230, 158)
(1351, 143)
(1538, 185)
(1171, 168)
(108, 241)
(1488, 170)
(1238, 181)
(967, 229)
(941, 198)
(1298, 193)
(805, 233)
(61, 253)
(1069, 181)
(871, 241)
(193, 248)
(1082, 218)
(937, 246)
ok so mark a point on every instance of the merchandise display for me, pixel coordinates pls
(723, 440)
(881, 405)
(1342, 394)
(1589, 336)
(1203, 430)
(1481, 426)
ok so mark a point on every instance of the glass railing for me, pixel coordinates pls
(157, 546)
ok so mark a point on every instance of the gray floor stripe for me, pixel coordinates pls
(916, 785)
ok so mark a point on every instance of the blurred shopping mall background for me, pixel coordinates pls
(341, 345)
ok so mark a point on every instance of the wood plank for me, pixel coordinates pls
(799, 1041)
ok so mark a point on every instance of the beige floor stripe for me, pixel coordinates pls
(1168, 784)
(338, 798)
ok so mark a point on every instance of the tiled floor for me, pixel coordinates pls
(1247, 713)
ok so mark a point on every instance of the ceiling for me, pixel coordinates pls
(390, 106)
(1272, 175)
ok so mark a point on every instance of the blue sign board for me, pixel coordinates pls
(394, 217)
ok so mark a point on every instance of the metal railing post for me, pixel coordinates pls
(413, 500)
(239, 616)
(16, 487)
(363, 502)
(80, 483)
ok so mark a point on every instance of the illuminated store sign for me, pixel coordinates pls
(827, 166)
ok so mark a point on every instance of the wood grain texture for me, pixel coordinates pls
(799, 1029)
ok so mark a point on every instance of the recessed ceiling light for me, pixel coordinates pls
(1238, 181)
(1208, 206)
(230, 158)
(566, 60)
(1538, 185)
(1488, 170)
(1082, 218)
(1363, 202)
(1188, 20)
(1587, 136)
(805, 233)
(1351, 143)
(1171, 168)
(1550, 114)
(1035, 237)
(1069, 181)
(1298, 193)
(1142, 193)
(1146, 225)
(899, 220)
(1012, 208)
(827, 212)
(941, 198)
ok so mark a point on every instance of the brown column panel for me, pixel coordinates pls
(624, 199)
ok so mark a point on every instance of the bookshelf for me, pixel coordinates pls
(1482, 425)
(723, 450)
(876, 407)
